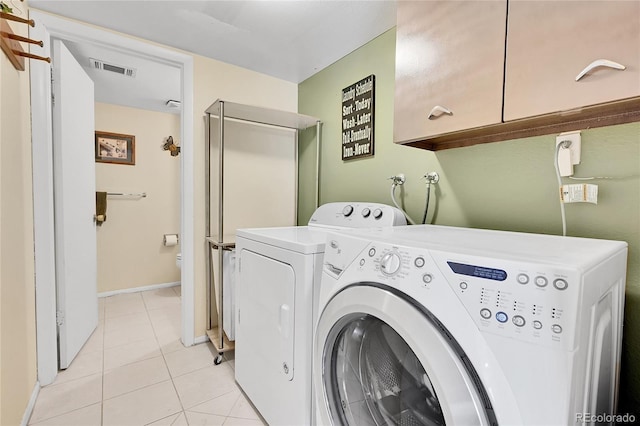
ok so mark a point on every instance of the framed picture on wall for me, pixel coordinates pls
(115, 148)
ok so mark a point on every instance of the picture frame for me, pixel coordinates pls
(115, 148)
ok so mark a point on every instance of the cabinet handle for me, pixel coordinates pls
(441, 110)
(600, 63)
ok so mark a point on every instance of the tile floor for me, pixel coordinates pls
(134, 371)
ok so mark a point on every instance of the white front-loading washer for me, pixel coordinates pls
(278, 270)
(432, 325)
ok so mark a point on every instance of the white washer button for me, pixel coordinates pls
(372, 252)
(463, 285)
(502, 317)
(427, 278)
(537, 325)
(377, 214)
(541, 281)
(560, 284)
(419, 262)
(485, 313)
(347, 210)
(556, 328)
(523, 278)
(518, 321)
(361, 262)
(366, 212)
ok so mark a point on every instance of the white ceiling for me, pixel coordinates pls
(290, 40)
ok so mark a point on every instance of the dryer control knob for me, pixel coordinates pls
(377, 214)
(347, 210)
(390, 263)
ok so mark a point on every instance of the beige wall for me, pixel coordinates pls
(507, 185)
(17, 286)
(130, 249)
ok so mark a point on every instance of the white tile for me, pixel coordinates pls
(123, 322)
(190, 359)
(134, 376)
(200, 419)
(131, 352)
(101, 305)
(55, 400)
(181, 420)
(232, 421)
(167, 319)
(91, 415)
(123, 304)
(161, 297)
(170, 342)
(243, 409)
(167, 421)
(220, 406)
(202, 385)
(85, 364)
(142, 406)
(135, 332)
(96, 340)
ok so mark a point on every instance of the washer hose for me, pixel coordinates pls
(393, 198)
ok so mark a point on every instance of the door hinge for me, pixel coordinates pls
(53, 96)
(59, 318)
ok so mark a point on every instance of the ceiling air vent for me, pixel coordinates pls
(118, 69)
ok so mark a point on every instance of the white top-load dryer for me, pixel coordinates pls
(278, 270)
(433, 325)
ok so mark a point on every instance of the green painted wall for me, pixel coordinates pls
(506, 185)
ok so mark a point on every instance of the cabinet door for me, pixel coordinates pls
(549, 43)
(448, 54)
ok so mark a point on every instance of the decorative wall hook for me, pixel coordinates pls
(169, 145)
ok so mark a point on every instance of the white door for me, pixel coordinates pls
(74, 195)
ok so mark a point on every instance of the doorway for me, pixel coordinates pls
(48, 27)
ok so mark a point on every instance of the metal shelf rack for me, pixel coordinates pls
(222, 111)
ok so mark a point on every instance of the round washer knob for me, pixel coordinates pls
(427, 278)
(518, 320)
(419, 262)
(347, 210)
(485, 313)
(523, 278)
(366, 212)
(502, 317)
(377, 213)
(537, 325)
(390, 263)
(560, 284)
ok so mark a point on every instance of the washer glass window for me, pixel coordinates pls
(377, 379)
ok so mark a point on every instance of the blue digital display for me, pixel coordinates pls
(478, 271)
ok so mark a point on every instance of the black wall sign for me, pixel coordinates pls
(357, 119)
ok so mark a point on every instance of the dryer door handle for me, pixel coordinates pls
(284, 320)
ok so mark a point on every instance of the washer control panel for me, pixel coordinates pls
(357, 215)
(530, 302)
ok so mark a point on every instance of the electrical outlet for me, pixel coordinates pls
(575, 148)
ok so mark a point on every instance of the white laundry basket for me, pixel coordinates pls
(229, 291)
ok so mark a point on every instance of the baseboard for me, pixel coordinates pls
(32, 403)
(201, 339)
(138, 289)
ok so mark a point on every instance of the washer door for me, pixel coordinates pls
(381, 360)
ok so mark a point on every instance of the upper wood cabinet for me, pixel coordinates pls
(450, 64)
(549, 43)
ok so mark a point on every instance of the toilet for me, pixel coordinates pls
(179, 260)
